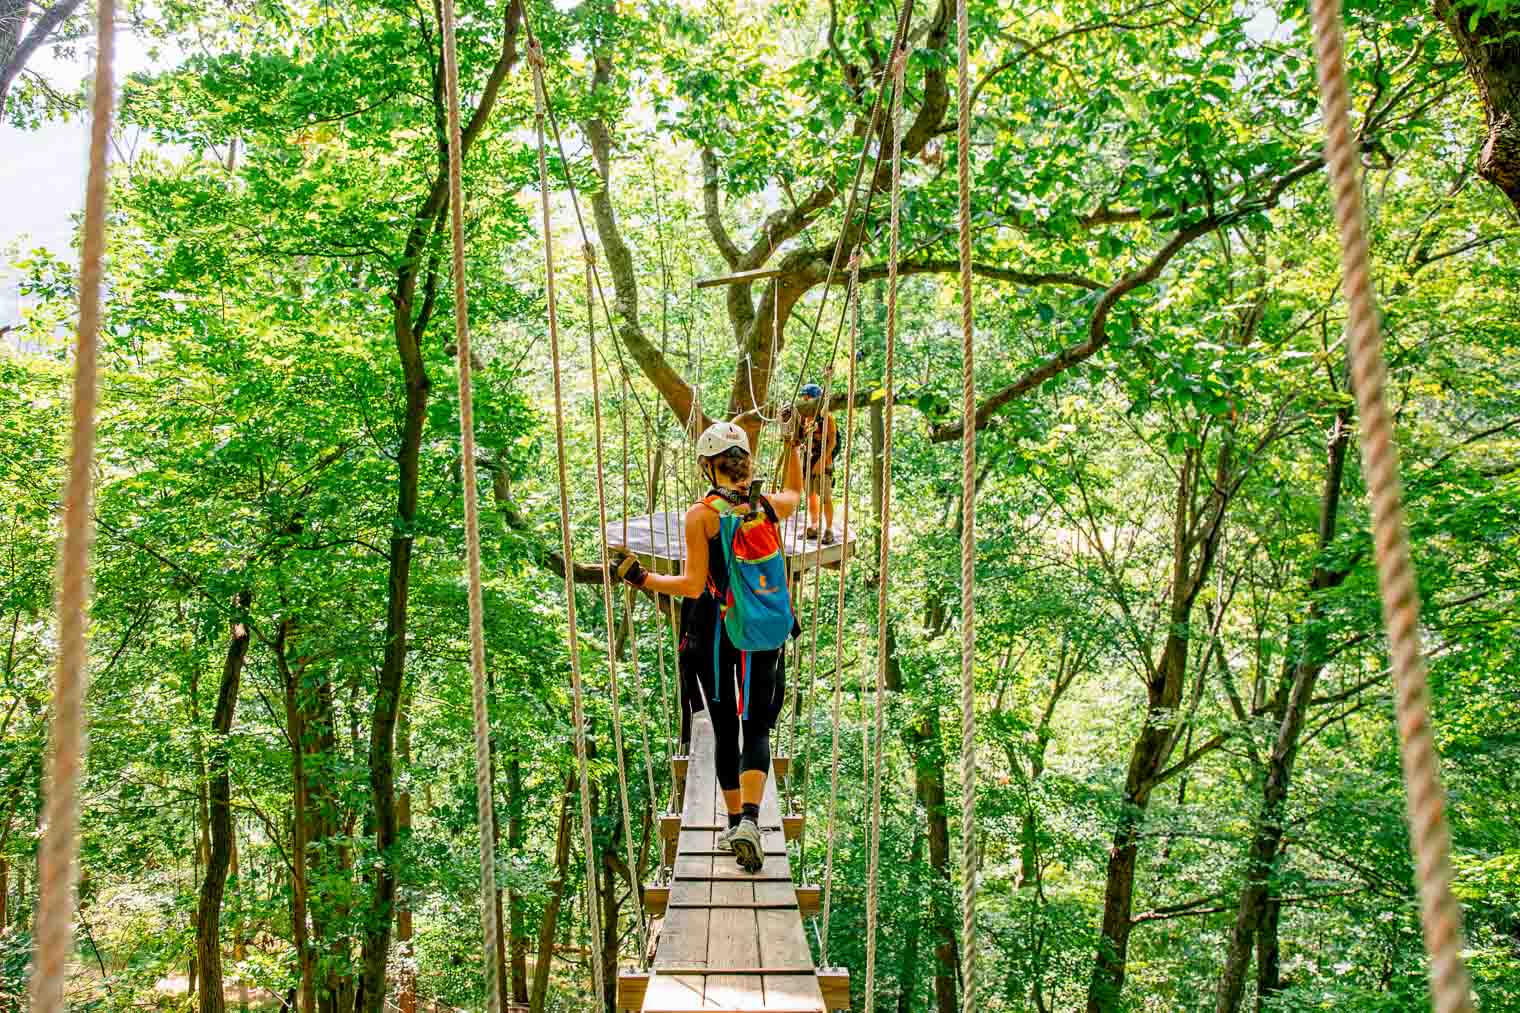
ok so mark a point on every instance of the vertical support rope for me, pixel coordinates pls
(608, 613)
(968, 525)
(536, 60)
(852, 307)
(899, 62)
(1429, 835)
(629, 600)
(484, 796)
(60, 843)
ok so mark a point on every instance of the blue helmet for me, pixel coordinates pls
(811, 391)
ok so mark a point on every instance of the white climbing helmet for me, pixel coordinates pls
(720, 436)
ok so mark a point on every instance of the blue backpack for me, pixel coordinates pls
(756, 609)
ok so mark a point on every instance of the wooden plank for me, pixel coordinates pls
(770, 807)
(733, 941)
(835, 985)
(783, 944)
(684, 934)
(729, 854)
(769, 906)
(656, 899)
(701, 776)
(631, 986)
(740, 277)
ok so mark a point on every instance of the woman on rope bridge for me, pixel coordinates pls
(735, 619)
(820, 441)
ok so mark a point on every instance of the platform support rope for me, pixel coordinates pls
(899, 62)
(852, 308)
(641, 717)
(968, 523)
(609, 615)
(60, 841)
(536, 61)
(484, 794)
(1429, 835)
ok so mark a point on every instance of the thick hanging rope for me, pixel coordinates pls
(536, 61)
(484, 796)
(60, 843)
(1429, 836)
(609, 615)
(968, 526)
(640, 717)
(852, 307)
(899, 62)
(837, 259)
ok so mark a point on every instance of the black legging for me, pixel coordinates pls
(731, 759)
(768, 684)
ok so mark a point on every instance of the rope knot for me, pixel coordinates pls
(854, 264)
(536, 54)
(900, 62)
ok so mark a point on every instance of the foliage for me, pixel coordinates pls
(1149, 202)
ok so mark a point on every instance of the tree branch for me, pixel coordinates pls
(1192, 758)
(1097, 334)
(45, 25)
(711, 212)
(992, 271)
(674, 389)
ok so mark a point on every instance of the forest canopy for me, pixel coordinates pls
(1189, 792)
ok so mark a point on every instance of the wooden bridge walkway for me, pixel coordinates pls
(728, 940)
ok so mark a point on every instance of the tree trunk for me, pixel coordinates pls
(929, 785)
(5, 895)
(549, 927)
(907, 986)
(239, 948)
(299, 888)
(1490, 46)
(1266, 842)
(611, 908)
(406, 995)
(1268, 953)
(328, 864)
(382, 742)
(514, 900)
(503, 986)
(209, 914)
(410, 318)
(202, 818)
(1196, 530)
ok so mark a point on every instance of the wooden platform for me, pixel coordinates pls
(658, 541)
(730, 940)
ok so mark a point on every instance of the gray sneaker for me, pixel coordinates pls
(748, 849)
(725, 840)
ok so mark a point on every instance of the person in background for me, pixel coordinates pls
(820, 443)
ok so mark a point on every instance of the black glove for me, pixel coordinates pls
(626, 567)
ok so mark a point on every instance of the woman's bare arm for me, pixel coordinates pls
(693, 578)
(786, 501)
